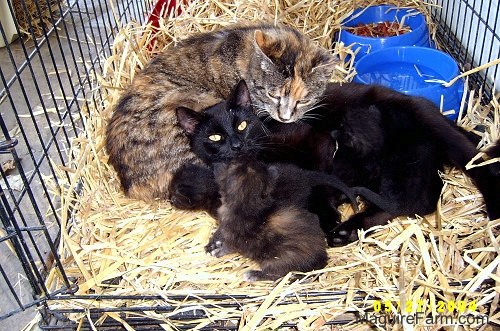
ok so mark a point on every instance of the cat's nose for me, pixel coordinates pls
(236, 144)
(285, 117)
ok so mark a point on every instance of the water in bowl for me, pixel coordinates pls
(401, 76)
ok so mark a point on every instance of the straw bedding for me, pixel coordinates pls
(119, 246)
(36, 15)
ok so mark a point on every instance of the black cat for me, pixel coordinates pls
(391, 143)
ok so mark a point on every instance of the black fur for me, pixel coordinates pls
(193, 186)
(392, 144)
(223, 120)
(260, 219)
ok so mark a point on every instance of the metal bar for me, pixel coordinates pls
(11, 288)
(31, 55)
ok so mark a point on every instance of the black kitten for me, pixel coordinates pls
(257, 220)
(391, 143)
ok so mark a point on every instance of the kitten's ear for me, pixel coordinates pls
(188, 119)
(240, 96)
(274, 173)
(261, 39)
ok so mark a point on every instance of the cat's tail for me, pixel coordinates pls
(491, 159)
(335, 182)
(460, 149)
(489, 177)
(366, 193)
(486, 177)
(376, 199)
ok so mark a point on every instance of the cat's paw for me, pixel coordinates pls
(342, 235)
(215, 248)
(254, 276)
(193, 188)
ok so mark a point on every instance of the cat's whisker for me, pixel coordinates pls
(260, 111)
(326, 96)
(306, 117)
(265, 130)
(316, 106)
(264, 117)
(301, 120)
(264, 121)
(267, 145)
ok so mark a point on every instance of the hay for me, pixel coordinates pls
(37, 15)
(115, 246)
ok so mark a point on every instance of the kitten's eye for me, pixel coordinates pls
(215, 137)
(242, 126)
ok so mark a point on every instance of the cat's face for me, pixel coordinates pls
(224, 131)
(290, 75)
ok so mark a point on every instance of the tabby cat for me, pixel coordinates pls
(286, 74)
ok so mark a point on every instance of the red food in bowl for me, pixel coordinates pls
(377, 30)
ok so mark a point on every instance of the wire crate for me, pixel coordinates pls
(47, 74)
(469, 30)
(53, 52)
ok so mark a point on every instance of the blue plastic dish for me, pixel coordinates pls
(418, 36)
(417, 71)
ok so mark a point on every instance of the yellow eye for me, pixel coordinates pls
(242, 126)
(215, 137)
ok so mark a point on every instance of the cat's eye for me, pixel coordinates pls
(275, 97)
(304, 102)
(242, 126)
(215, 137)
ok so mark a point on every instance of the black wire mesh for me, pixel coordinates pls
(469, 30)
(46, 77)
(46, 81)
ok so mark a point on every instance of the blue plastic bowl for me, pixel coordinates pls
(418, 36)
(414, 70)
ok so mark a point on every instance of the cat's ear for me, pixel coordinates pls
(272, 48)
(188, 119)
(262, 40)
(324, 61)
(240, 96)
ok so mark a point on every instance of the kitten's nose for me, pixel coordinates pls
(236, 143)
